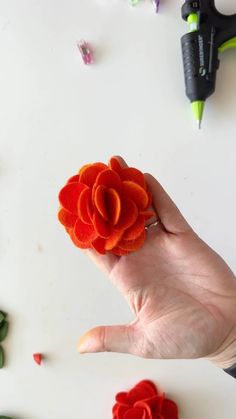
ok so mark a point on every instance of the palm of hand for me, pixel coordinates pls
(182, 293)
(178, 299)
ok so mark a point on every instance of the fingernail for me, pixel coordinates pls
(85, 344)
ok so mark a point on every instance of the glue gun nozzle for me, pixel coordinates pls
(198, 108)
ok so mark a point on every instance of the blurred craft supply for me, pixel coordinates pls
(85, 52)
(38, 358)
(156, 5)
(134, 2)
(155, 2)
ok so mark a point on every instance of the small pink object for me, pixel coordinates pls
(38, 358)
(85, 52)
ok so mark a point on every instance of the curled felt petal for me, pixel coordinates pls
(133, 245)
(113, 203)
(66, 218)
(152, 389)
(85, 209)
(121, 411)
(115, 408)
(122, 397)
(89, 174)
(102, 227)
(136, 193)
(99, 245)
(115, 411)
(114, 164)
(73, 179)
(145, 408)
(113, 240)
(100, 201)
(85, 166)
(135, 230)
(134, 175)
(77, 243)
(151, 405)
(84, 232)
(128, 215)
(169, 409)
(69, 196)
(110, 179)
(136, 413)
(139, 393)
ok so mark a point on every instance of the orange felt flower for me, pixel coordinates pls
(105, 207)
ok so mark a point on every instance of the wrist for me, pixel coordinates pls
(225, 356)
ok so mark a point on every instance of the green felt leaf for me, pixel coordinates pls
(3, 330)
(2, 317)
(5, 417)
(1, 357)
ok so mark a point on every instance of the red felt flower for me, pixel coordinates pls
(144, 402)
(105, 207)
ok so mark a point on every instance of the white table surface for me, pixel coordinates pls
(57, 114)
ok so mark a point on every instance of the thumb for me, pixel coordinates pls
(107, 339)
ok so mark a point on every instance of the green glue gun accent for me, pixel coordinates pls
(210, 33)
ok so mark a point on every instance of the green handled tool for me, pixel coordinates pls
(210, 33)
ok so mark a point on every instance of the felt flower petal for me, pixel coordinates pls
(169, 409)
(77, 243)
(110, 179)
(115, 412)
(128, 216)
(89, 174)
(113, 205)
(143, 390)
(134, 175)
(114, 239)
(85, 208)
(73, 179)
(84, 232)
(85, 166)
(114, 164)
(152, 406)
(121, 411)
(99, 245)
(108, 204)
(100, 201)
(136, 394)
(135, 413)
(136, 193)
(150, 386)
(66, 218)
(135, 230)
(122, 397)
(115, 408)
(133, 245)
(69, 196)
(102, 227)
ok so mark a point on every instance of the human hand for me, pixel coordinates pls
(182, 293)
